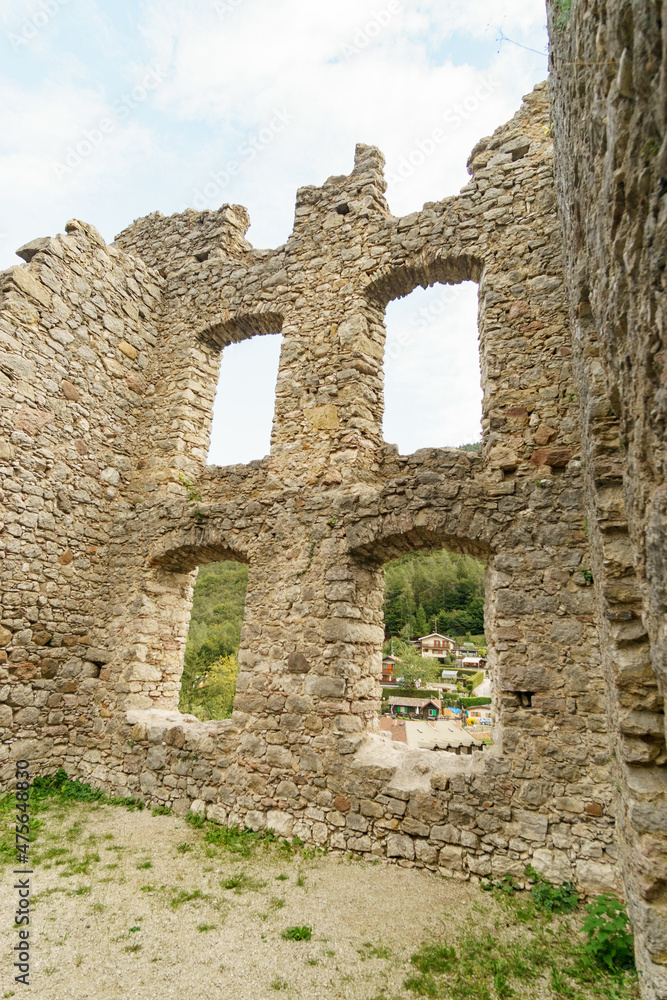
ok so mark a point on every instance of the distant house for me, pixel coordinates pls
(415, 708)
(479, 712)
(474, 663)
(389, 669)
(435, 644)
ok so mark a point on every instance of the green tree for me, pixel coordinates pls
(211, 695)
(215, 630)
(447, 588)
(421, 624)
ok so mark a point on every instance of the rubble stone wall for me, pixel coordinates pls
(608, 119)
(118, 348)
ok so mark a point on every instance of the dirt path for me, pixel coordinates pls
(134, 905)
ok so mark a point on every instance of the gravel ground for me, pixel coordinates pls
(148, 915)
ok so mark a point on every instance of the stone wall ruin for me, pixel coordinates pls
(108, 371)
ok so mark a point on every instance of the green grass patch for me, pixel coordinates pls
(243, 883)
(303, 933)
(555, 955)
(187, 897)
(369, 950)
(60, 786)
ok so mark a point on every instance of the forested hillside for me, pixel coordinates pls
(423, 593)
(213, 640)
(436, 592)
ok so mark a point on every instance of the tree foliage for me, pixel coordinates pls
(437, 592)
(212, 696)
(413, 667)
(213, 640)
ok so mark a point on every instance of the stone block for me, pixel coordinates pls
(127, 349)
(501, 865)
(534, 793)
(451, 857)
(425, 852)
(156, 758)
(297, 664)
(320, 833)
(325, 687)
(426, 808)
(554, 865)
(399, 846)
(479, 865)
(280, 822)
(27, 716)
(216, 814)
(148, 782)
(255, 820)
(569, 804)
(277, 756)
(356, 822)
(359, 844)
(395, 807)
(298, 705)
(343, 630)
(461, 814)
(29, 284)
(595, 877)
(414, 827)
(447, 833)
(531, 826)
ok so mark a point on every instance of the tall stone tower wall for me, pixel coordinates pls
(609, 123)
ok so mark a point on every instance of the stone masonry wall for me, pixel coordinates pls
(609, 108)
(93, 664)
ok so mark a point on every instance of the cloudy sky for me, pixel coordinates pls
(114, 108)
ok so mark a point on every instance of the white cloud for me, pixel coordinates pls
(432, 381)
(324, 64)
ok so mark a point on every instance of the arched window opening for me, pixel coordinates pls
(433, 396)
(244, 401)
(210, 668)
(436, 687)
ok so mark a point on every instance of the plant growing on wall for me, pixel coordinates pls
(194, 497)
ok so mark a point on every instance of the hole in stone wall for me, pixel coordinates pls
(435, 648)
(244, 401)
(433, 396)
(210, 669)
